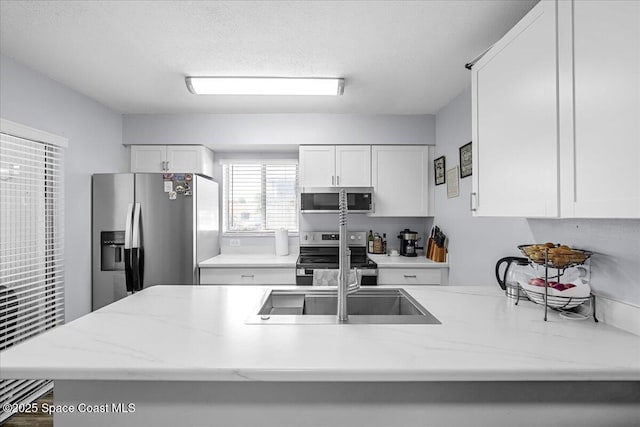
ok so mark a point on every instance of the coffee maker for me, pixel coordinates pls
(408, 242)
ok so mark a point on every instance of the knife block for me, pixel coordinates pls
(436, 253)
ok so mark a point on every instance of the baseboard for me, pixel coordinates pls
(622, 315)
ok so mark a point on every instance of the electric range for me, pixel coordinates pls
(319, 250)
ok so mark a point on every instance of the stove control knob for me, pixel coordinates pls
(353, 237)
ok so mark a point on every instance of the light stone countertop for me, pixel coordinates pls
(198, 333)
(250, 261)
(419, 261)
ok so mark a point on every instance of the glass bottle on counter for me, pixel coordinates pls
(370, 242)
(377, 244)
(384, 243)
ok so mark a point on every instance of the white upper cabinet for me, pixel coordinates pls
(329, 165)
(172, 159)
(556, 114)
(317, 165)
(401, 180)
(148, 158)
(515, 144)
(353, 165)
(604, 180)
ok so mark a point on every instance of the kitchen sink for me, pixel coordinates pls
(319, 306)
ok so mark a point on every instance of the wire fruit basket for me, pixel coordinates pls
(559, 258)
(559, 302)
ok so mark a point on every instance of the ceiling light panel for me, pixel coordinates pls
(264, 86)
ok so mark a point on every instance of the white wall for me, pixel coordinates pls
(95, 145)
(232, 132)
(477, 243)
(615, 265)
(361, 222)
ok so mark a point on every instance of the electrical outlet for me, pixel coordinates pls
(234, 242)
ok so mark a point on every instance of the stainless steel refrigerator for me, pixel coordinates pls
(150, 229)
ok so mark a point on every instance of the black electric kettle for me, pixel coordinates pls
(511, 262)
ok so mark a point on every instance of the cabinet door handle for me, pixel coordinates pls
(167, 163)
(163, 169)
(246, 275)
(410, 276)
(471, 205)
(338, 180)
(333, 180)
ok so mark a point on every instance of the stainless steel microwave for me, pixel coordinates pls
(325, 199)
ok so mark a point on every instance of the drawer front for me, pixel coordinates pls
(247, 276)
(409, 276)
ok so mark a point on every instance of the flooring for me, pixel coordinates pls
(37, 419)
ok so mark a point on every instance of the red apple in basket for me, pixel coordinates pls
(537, 281)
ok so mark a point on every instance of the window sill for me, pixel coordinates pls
(236, 234)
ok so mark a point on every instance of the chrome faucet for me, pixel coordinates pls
(344, 288)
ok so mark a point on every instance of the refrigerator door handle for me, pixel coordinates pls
(135, 239)
(137, 263)
(128, 272)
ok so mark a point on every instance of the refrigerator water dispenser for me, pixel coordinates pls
(111, 250)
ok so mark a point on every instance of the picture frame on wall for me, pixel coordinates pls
(466, 167)
(453, 188)
(439, 170)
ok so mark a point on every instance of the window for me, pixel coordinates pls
(31, 250)
(260, 197)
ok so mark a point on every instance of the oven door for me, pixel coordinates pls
(325, 200)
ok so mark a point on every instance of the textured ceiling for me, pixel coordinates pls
(398, 57)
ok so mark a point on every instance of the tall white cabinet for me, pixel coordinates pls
(602, 162)
(556, 113)
(401, 180)
(335, 165)
(515, 121)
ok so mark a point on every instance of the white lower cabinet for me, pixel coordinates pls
(247, 276)
(412, 276)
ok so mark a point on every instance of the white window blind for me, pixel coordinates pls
(260, 197)
(31, 250)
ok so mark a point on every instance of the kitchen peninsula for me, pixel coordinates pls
(185, 355)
